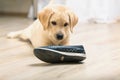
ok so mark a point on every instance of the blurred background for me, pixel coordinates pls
(98, 11)
(98, 31)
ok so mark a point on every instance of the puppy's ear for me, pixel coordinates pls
(73, 20)
(44, 17)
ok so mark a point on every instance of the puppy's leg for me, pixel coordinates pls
(23, 34)
(17, 34)
(14, 34)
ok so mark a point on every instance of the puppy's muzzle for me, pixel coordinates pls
(59, 36)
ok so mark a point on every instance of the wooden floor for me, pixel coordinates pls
(101, 42)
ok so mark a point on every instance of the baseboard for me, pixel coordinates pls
(13, 14)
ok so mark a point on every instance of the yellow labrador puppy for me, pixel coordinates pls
(53, 27)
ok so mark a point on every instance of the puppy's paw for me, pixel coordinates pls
(12, 35)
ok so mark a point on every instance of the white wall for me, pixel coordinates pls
(100, 10)
(103, 11)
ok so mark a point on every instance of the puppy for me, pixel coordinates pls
(53, 27)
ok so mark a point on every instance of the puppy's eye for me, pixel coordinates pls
(66, 24)
(54, 23)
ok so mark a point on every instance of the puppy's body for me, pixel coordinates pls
(52, 27)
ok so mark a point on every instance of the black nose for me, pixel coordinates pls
(59, 36)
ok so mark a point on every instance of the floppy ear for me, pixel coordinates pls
(44, 17)
(73, 20)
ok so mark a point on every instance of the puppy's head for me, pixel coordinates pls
(58, 21)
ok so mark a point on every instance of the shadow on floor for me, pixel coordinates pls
(54, 64)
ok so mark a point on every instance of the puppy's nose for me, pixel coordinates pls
(59, 36)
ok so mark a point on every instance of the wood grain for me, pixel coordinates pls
(101, 42)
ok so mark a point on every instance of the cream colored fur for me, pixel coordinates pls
(43, 33)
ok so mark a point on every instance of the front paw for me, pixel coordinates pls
(11, 35)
